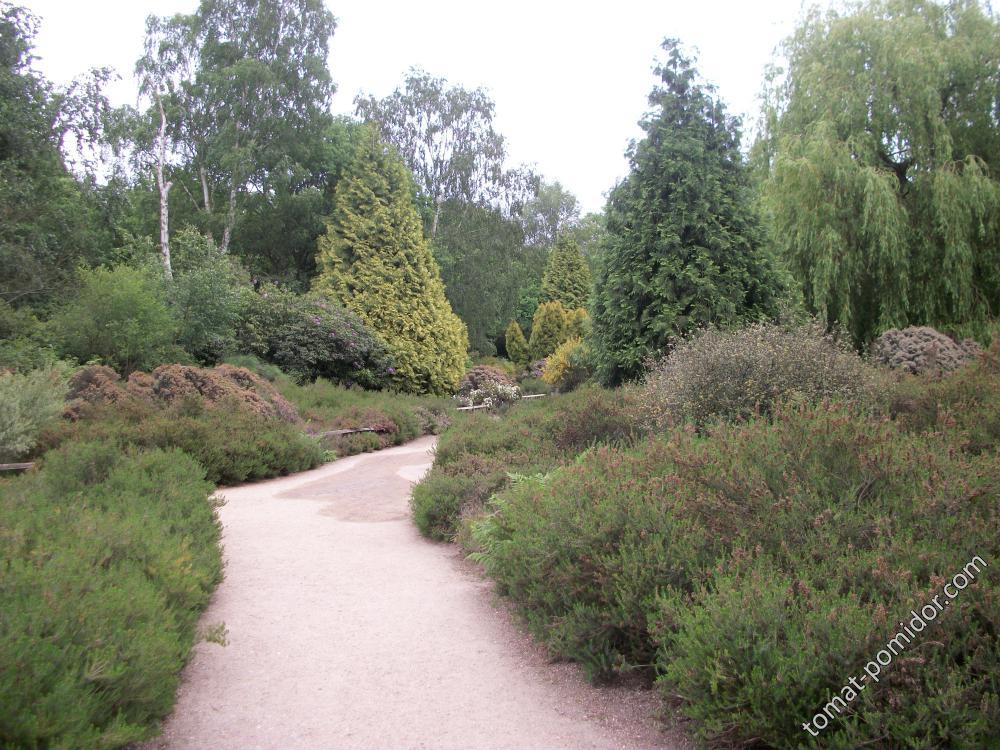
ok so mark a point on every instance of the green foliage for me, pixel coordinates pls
(51, 222)
(231, 443)
(28, 403)
(549, 329)
(475, 457)
(759, 567)
(684, 244)
(736, 374)
(23, 343)
(120, 316)
(204, 296)
(568, 366)
(374, 259)
(567, 275)
(311, 337)
(400, 417)
(108, 560)
(881, 156)
(516, 345)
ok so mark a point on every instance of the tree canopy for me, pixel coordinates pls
(881, 149)
(684, 244)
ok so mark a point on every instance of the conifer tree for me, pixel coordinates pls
(567, 275)
(684, 244)
(374, 259)
(517, 345)
(549, 328)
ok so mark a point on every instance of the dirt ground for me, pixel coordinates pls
(346, 629)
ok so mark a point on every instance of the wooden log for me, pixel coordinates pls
(17, 467)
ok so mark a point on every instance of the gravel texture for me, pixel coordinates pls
(346, 629)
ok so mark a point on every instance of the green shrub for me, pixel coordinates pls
(568, 366)
(120, 316)
(400, 417)
(516, 345)
(475, 457)
(108, 558)
(760, 566)
(231, 443)
(266, 370)
(311, 337)
(27, 404)
(735, 374)
(204, 295)
(23, 344)
(549, 328)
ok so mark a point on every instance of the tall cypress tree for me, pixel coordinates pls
(684, 243)
(374, 259)
(567, 275)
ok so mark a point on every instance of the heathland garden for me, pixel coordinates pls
(771, 369)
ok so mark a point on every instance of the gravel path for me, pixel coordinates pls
(347, 630)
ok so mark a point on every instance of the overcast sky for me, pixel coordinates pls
(569, 79)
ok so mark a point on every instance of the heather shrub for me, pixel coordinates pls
(480, 375)
(121, 317)
(28, 403)
(232, 444)
(736, 374)
(311, 337)
(921, 349)
(761, 564)
(476, 457)
(108, 557)
(399, 417)
(568, 366)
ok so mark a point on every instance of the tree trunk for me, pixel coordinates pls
(437, 215)
(227, 232)
(164, 188)
(205, 194)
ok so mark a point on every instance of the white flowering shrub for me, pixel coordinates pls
(491, 394)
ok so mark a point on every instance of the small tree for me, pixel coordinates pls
(374, 259)
(548, 329)
(517, 345)
(567, 275)
(119, 315)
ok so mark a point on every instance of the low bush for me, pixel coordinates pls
(232, 444)
(758, 566)
(108, 559)
(28, 403)
(475, 458)
(736, 374)
(23, 343)
(399, 417)
(311, 337)
(921, 349)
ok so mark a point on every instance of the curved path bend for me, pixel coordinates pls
(346, 629)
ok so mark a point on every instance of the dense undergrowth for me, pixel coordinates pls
(107, 559)
(476, 457)
(753, 566)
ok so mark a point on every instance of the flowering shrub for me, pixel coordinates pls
(310, 337)
(568, 366)
(492, 394)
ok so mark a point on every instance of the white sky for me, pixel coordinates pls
(570, 79)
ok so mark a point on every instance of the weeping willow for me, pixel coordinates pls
(881, 150)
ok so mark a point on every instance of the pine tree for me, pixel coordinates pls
(567, 275)
(517, 345)
(374, 259)
(684, 245)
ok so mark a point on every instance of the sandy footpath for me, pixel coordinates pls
(348, 630)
